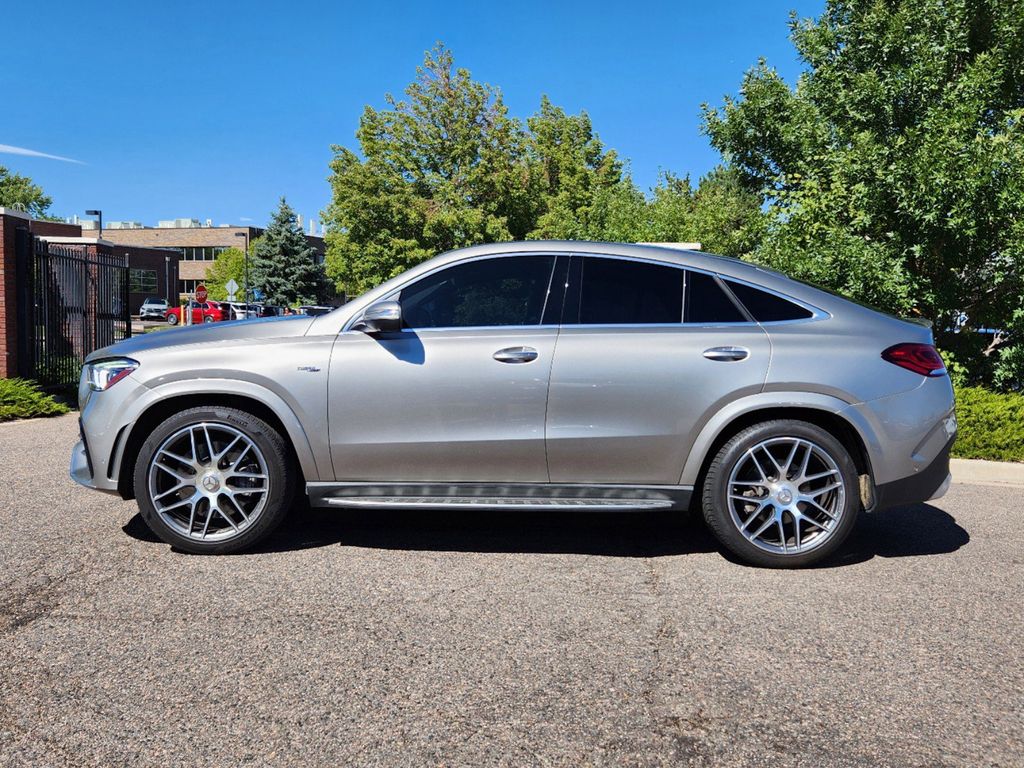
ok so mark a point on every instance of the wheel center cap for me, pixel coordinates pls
(211, 483)
(785, 496)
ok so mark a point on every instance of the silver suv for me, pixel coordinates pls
(537, 375)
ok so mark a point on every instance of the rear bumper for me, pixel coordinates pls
(929, 483)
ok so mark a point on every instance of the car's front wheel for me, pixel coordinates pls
(213, 480)
(172, 319)
(782, 494)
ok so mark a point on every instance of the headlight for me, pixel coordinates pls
(106, 373)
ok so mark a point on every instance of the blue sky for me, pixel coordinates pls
(214, 110)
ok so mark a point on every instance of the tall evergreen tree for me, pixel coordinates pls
(283, 264)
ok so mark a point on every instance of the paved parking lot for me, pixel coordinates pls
(499, 639)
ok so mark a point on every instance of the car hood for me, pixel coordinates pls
(207, 333)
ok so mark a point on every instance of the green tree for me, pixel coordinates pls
(575, 176)
(229, 265)
(894, 169)
(19, 192)
(439, 170)
(283, 263)
(720, 213)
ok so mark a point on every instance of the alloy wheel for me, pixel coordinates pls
(208, 481)
(786, 495)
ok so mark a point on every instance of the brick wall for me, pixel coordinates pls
(55, 229)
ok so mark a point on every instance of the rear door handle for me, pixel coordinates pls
(726, 354)
(515, 355)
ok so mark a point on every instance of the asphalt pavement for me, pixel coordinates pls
(426, 638)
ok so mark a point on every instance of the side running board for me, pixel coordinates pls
(477, 502)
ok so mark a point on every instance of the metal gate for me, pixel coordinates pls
(73, 299)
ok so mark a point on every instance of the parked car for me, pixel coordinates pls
(202, 312)
(153, 308)
(533, 375)
(239, 311)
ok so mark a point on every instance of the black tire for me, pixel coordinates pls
(716, 501)
(172, 319)
(281, 479)
(208, 319)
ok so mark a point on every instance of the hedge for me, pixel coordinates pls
(991, 425)
(21, 399)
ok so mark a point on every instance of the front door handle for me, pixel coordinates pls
(515, 355)
(726, 354)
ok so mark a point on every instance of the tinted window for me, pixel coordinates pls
(616, 292)
(501, 291)
(706, 302)
(767, 307)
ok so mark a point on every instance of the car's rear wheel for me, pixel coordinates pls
(172, 319)
(782, 494)
(208, 319)
(213, 480)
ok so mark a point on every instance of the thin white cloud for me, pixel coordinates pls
(244, 218)
(8, 149)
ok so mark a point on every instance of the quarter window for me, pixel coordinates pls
(767, 307)
(510, 290)
(619, 292)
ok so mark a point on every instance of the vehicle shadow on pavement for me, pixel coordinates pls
(910, 531)
(615, 534)
(916, 530)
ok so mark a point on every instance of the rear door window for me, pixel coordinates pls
(707, 303)
(622, 292)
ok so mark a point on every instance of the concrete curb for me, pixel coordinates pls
(980, 472)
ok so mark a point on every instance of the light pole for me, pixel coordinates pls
(245, 234)
(97, 212)
(167, 278)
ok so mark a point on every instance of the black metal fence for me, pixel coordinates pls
(73, 300)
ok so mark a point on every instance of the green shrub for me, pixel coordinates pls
(21, 399)
(991, 425)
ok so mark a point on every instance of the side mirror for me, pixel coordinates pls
(382, 317)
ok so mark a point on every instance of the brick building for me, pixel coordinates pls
(197, 245)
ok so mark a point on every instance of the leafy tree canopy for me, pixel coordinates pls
(18, 192)
(894, 169)
(283, 263)
(229, 265)
(447, 166)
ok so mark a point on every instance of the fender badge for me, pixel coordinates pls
(310, 368)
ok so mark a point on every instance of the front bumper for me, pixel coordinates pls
(81, 469)
(104, 426)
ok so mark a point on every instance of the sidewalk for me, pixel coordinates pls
(979, 472)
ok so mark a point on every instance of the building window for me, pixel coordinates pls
(205, 253)
(188, 286)
(142, 281)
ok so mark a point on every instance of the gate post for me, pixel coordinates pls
(10, 312)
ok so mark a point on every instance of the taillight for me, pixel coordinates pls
(919, 358)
